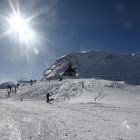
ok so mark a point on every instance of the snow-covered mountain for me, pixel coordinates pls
(84, 108)
(99, 64)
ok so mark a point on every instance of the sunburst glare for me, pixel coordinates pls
(18, 24)
(21, 29)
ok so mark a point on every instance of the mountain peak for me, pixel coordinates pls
(99, 64)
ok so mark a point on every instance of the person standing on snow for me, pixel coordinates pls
(31, 82)
(9, 89)
(48, 97)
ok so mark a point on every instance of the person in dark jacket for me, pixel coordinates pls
(9, 89)
(31, 82)
(48, 97)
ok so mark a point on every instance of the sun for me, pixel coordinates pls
(18, 24)
(19, 28)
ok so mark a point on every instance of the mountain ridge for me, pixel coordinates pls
(99, 64)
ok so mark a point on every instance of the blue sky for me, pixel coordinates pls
(63, 26)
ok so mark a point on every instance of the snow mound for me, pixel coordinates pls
(78, 91)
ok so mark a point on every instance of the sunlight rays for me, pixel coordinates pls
(20, 29)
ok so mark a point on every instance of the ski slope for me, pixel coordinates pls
(82, 109)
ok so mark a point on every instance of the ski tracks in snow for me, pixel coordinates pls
(9, 128)
(28, 122)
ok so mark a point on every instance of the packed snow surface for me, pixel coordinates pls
(82, 109)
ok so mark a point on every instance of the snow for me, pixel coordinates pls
(99, 64)
(82, 109)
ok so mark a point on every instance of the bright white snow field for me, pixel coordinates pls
(101, 110)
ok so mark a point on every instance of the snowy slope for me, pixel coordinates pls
(71, 90)
(101, 110)
(97, 64)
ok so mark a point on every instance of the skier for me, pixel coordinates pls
(48, 97)
(31, 82)
(15, 89)
(9, 89)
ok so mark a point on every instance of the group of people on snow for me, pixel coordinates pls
(12, 89)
